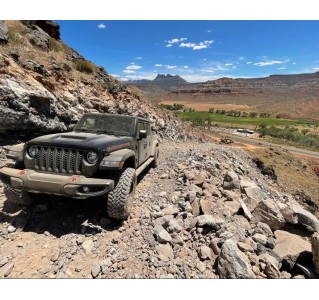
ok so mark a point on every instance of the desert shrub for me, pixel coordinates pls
(304, 131)
(253, 114)
(291, 134)
(175, 106)
(264, 115)
(14, 38)
(54, 45)
(84, 66)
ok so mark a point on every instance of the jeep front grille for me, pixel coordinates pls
(58, 160)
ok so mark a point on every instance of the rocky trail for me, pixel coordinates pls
(205, 212)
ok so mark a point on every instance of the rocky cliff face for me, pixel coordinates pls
(45, 85)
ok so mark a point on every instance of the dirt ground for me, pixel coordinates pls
(206, 105)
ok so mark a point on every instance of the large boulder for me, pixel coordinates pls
(27, 106)
(232, 263)
(50, 27)
(39, 38)
(268, 212)
(289, 247)
(4, 36)
(231, 181)
(295, 214)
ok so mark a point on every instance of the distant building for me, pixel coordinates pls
(248, 131)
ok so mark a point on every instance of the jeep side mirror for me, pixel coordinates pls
(142, 134)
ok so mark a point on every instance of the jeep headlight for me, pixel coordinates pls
(91, 157)
(32, 151)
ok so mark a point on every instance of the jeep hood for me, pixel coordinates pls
(80, 140)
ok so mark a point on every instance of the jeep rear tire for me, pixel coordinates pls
(17, 196)
(120, 200)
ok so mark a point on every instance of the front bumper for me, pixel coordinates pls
(75, 186)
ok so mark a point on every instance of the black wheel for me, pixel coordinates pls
(120, 200)
(154, 163)
(17, 196)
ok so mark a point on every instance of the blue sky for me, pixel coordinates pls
(196, 50)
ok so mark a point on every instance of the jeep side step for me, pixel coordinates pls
(142, 167)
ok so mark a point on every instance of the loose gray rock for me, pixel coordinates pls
(244, 247)
(254, 195)
(305, 218)
(4, 36)
(231, 181)
(263, 228)
(8, 269)
(11, 229)
(245, 210)
(170, 210)
(268, 212)
(88, 246)
(289, 246)
(55, 255)
(260, 238)
(95, 270)
(200, 266)
(204, 253)
(232, 263)
(162, 236)
(247, 183)
(210, 221)
(164, 251)
(174, 226)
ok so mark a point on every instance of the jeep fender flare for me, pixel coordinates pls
(118, 156)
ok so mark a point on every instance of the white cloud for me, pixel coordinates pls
(101, 26)
(186, 67)
(294, 63)
(270, 63)
(249, 62)
(194, 46)
(282, 68)
(209, 30)
(316, 68)
(241, 58)
(174, 41)
(138, 58)
(170, 67)
(158, 65)
(129, 71)
(187, 45)
(228, 65)
(133, 67)
(203, 45)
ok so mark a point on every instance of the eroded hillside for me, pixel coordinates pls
(45, 85)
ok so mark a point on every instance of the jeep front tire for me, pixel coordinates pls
(120, 200)
(17, 196)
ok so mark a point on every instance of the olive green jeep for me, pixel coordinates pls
(101, 156)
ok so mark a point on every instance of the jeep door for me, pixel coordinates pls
(142, 143)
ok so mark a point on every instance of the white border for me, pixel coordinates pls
(159, 10)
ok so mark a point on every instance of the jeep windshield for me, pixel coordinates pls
(108, 124)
